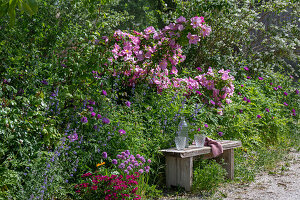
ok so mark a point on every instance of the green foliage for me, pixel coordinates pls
(46, 64)
(9, 7)
(208, 174)
(264, 36)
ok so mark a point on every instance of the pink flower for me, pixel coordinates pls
(210, 72)
(246, 68)
(205, 30)
(228, 101)
(242, 85)
(149, 30)
(181, 19)
(198, 92)
(220, 133)
(93, 114)
(197, 21)
(193, 39)
(225, 76)
(174, 70)
(260, 78)
(275, 88)
(248, 77)
(210, 85)
(285, 93)
(220, 111)
(212, 102)
(163, 64)
(205, 125)
(284, 103)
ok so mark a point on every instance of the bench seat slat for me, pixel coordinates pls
(197, 151)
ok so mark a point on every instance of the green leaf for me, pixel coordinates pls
(33, 5)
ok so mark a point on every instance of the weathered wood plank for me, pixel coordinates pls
(179, 172)
(228, 165)
(196, 151)
(171, 171)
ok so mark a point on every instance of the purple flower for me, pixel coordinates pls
(141, 171)
(104, 92)
(122, 132)
(205, 125)
(149, 161)
(99, 116)
(199, 69)
(239, 94)
(114, 161)
(246, 68)
(294, 114)
(127, 152)
(275, 88)
(128, 103)
(220, 133)
(212, 102)
(84, 120)
(91, 102)
(245, 99)
(258, 116)
(248, 77)
(44, 82)
(267, 109)
(126, 171)
(241, 111)
(271, 83)
(284, 103)
(95, 127)
(248, 101)
(105, 120)
(121, 166)
(91, 109)
(104, 155)
(285, 93)
(198, 92)
(293, 110)
(242, 85)
(93, 114)
(297, 91)
(279, 87)
(73, 137)
(260, 78)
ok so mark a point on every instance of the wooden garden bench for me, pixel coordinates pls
(179, 163)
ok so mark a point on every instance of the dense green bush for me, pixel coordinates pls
(62, 106)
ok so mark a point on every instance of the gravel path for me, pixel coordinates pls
(283, 185)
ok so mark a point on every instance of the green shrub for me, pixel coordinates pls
(208, 174)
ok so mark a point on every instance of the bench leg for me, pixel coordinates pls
(228, 156)
(179, 172)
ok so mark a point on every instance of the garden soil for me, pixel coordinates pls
(283, 183)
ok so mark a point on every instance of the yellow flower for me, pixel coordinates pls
(99, 164)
